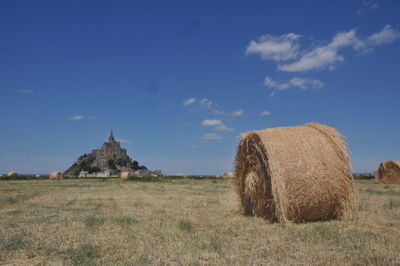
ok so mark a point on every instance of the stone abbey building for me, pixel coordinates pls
(110, 159)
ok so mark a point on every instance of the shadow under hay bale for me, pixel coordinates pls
(296, 174)
(388, 172)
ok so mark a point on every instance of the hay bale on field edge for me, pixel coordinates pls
(56, 176)
(299, 173)
(125, 175)
(12, 174)
(388, 172)
(228, 175)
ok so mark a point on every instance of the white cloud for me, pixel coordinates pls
(125, 141)
(387, 35)
(24, 91)
(222, 127)
(211, 122)
(211, 136)
(367, 4)
(270, 83)
(306, 83)
(238, 112)
(327, 56)
(206, 103)
(324, 56)
(293, 82)
(189, 101)
(265, 113)
(279, 48)
(76, 117)
(217, 124)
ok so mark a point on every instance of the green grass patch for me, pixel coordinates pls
(126, 220)
(216, 244)
(392, 204)
(83, 255)
(14, 243)
(386, 192)
(185, 225)
(92, 221)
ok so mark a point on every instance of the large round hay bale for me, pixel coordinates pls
(12, 174)
(228, 175)
(56, 176)
(388, 172)
(125, 175)
(299, 173)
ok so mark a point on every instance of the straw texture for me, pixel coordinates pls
(299, 173)
(125, 175)
(56, 176)
(12, 174)
(228, 175)
(388, 172)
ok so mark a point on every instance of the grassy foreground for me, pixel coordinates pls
(182, 222)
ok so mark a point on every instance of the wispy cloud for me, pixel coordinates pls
(277, 48)
(189, 101)
(81, 117)
(326, 56)
(24, 91)
(217, 124)
(238, 112)
(265, 113)
(293, 82)
(211, 122)
(76, 117)
(387, 35)
(222, 127)
(206, 103)
(196, 146)
(367, 5)
(211, 136)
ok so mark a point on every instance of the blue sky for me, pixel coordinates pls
(180, 80)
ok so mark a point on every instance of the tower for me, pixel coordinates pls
(111, 137)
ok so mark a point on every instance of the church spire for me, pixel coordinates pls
(111, 137)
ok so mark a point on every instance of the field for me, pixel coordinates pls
(182, 222)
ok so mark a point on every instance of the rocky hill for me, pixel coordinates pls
(110, 158)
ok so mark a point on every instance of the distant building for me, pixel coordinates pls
(110, 159)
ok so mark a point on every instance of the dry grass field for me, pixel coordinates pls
(182, 222)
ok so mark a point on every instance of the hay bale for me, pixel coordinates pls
(228, 175)
(388, 172)
(299, 173)
(125, 175)
(56, 176)
(12, 174)
(181, 175)
(37, 176)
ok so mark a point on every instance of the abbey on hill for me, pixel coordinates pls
(110, 159)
